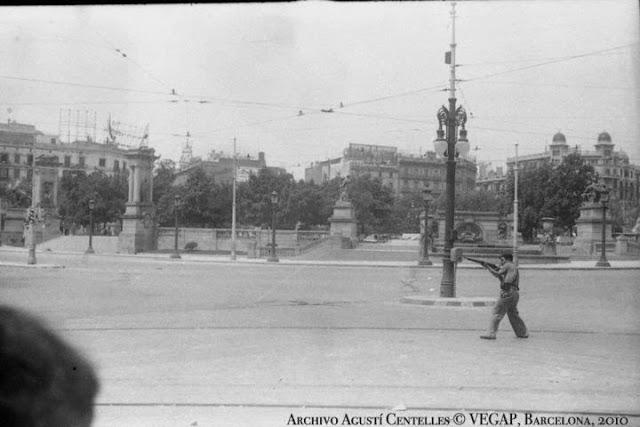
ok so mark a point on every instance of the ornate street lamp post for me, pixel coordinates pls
(92, 205)
(450, 118)
(426, 198)
(176, 204)
(604, 199)
(274, 202)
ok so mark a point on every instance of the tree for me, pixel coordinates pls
(373, 203)
(196, 199)
(563, 195)
(163, 178)
(77, 188)
(476, 200)
(18, 196)
(531, 197)
(546, 191)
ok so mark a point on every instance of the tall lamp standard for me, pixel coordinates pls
(426, 198)
(273, 257)
(450, 118)
(604, 199)
(176, 204)
(92, 205)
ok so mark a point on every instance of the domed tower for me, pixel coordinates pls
(604, 146)
(559, 147)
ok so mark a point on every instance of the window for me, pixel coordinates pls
(4, 173)
(116, 165)
(53, 140)
(29, 159)
(81, 161)
(4, 158)
(102, 162)
(67, 161)
(16, 173)
(16, 159)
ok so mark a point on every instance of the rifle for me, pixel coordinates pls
(485, 264)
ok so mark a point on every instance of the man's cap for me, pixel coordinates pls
(507, 255)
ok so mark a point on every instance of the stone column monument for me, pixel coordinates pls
(138, 221)
(589, 224)
(343, 221)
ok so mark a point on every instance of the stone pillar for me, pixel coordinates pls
(37, 187)
(344, 224)
(138, 221)
(589, 228)
(136, 184)
(130, 182)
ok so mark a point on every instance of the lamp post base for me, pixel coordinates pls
(89, 251)
(425, 261)
(175, 255)
(31, 259)
(273, 259)
(448, 284)
(603, 263)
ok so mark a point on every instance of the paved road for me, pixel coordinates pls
(179, 343)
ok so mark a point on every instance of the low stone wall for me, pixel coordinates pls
(288, 242)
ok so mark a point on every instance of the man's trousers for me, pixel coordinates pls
(508, 304)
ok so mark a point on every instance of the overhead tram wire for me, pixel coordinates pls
(190, 97)
(554, 61)
(397, 95)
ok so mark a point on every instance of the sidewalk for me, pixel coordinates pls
(189, 257)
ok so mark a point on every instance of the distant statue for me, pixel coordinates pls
(593, 191)
(502, 231)
(344, 188)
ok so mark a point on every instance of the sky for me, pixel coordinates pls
(261, 73)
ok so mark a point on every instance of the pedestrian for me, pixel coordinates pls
(44, 382)
(507, 304)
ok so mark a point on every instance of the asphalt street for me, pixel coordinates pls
(179, 343)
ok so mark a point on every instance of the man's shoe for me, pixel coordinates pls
(488, 337)
(523, 336)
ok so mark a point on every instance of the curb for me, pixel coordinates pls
(335, 263)
(18, 265)
(449, 302)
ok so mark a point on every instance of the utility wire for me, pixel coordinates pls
(397, 95)
(561, 85)
(554, 61)
(380, 116)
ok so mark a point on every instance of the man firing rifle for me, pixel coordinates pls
(507, 304)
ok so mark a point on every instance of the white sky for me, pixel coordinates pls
(259, 64)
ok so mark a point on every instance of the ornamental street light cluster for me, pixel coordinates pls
(426, 198)
(176, 205)
(92, 205)
(273, 257)
(449, 145)
(604, 200)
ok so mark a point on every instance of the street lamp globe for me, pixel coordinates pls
(440, 144)
(274, 197)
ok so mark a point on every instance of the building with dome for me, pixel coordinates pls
(613, 167)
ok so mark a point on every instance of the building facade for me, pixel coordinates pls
(404, 173)
(220, 167)
(493, 180)
(613, 167)
(22, 145)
